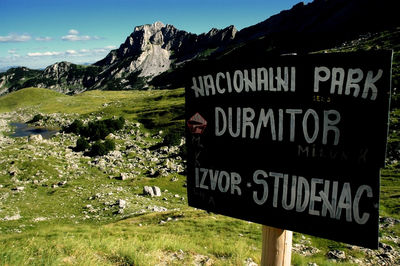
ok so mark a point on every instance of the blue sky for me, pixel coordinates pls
(37, 33)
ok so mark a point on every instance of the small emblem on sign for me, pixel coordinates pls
(197, 124)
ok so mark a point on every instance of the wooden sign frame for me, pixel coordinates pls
(292, 142)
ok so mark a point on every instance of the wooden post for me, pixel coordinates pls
(276, 246)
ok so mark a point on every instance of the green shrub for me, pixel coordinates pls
(98, 149)
(36, 118)
(95, 131)
(76, 127)
(173, 138)
(109, 145)
(102, 148)
(82, 144)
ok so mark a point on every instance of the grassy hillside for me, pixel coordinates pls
(60, 207)
(156, 109)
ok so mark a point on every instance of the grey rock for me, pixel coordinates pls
(152, 191)
(157, 191)
(148, 191)
(385, 247)
(35, 138)
(157, 209)
(124, 176)
(12, 218)
(62, 183)
(250, 262)
(121, 203)
(336, 254)
(385, 222)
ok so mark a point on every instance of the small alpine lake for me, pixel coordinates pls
(24, 130)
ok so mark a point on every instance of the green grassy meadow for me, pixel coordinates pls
(79, 222)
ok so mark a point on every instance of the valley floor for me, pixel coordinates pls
(60, 207)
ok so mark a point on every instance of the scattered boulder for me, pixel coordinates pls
(157, 191)
(124, 176)
(152, 191)
(153, 172)
(336, 255)
(305, 249)
(35, 138)
(12, 218)
(40, 219)
(386, 222)
(385, 247)
(157, 209)
(13, 172)
(62, 183)
(250, 262)
(148, 191)
(121, 203)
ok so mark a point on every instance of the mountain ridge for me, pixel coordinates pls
(152, 51)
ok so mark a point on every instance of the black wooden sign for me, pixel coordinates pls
(293, 142)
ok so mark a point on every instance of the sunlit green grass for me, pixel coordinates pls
(157, 107)
(187, 236)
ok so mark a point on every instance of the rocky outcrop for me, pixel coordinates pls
(165, 41)
(67, 78)
(152, 49)
(14, 78)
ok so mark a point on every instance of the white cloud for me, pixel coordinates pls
(70, 52)
(73, 36)
(73, 32)
(111, 47)
(43, 39)
(42, 59)
(44, 54)
(12, 51)
(15, 38)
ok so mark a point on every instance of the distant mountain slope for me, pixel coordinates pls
(157, 55)
(14, 78)
(333, 19)
(62, 77)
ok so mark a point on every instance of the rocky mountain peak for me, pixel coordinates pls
(224, 35)
(156, 26)
(150, 49)
(57, 68)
